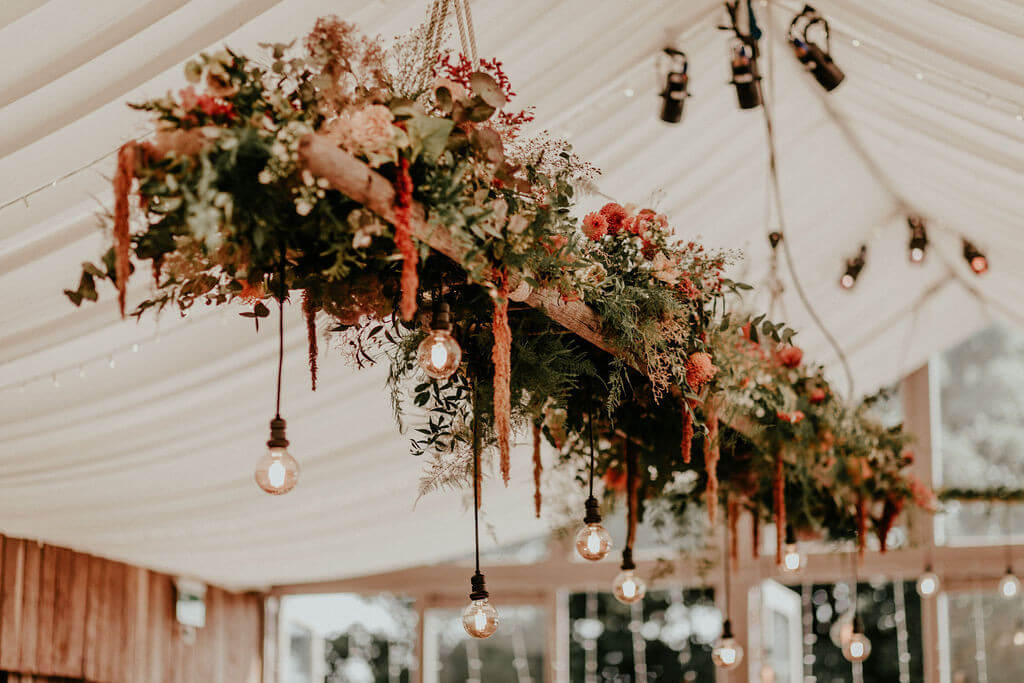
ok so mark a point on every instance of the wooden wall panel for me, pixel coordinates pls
(70, 617)
(11, 595)
(30, 636)
(94, 620)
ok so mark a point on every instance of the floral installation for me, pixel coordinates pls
(221, 208)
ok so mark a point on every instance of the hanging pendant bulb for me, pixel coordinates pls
(858, 647)
(439, 355)
(277, 471)
(727, 653)
(593, 542)
(1009, 586)
(628, 587)
(793, 562)
(928, 584)
(1018, 634)
(480, 618)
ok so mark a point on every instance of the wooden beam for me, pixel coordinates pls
(362, 184)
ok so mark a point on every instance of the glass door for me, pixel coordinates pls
(776, 648)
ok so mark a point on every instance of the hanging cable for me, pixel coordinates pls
(476, 481)
(773, 171)
(590, 439)
(280, 332)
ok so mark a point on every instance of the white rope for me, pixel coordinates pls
(472, 33)
(437, 18)
(466, 32)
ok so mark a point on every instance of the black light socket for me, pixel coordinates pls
(479, 587)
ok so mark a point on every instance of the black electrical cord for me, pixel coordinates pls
(476, 480)
(280, 332)
(590, 437)
(728, 567)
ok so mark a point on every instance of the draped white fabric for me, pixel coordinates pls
(150, 461)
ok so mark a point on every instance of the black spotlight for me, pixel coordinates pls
(918, 239)
(975, 259)
(674, 95)
(816, 60)
(853, 268)
(745, 76)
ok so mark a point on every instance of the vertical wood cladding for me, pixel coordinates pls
(68, 617)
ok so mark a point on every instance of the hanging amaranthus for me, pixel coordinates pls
(732, 513)
(310, 307)
(501, 355)
(687, 442)
(891, 510)
(404, 241)
(779, 487)
(755, 533)
(538, 468)
(631, 491)
(862, 525)
(711, 455)
(122, 235)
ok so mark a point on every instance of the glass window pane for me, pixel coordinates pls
(515, 653)
(985, 638)
(891, 614)
(351, 638)
(981, 430)
(665, 637)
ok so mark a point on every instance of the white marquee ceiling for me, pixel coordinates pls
(150, 461)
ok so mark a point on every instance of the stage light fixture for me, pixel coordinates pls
(975, 259)
(853, 268)
(745, 76)
(674, 66)
(918, 239)
(816, 60)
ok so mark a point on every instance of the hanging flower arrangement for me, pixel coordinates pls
(381, 193)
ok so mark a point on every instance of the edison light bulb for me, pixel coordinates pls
(1009, 587)
(628, 587)
(593, 542)
(727, 653)
(277, 471)
(792, 561)
(439, 354)
(480, 619)
(928, 584)
(857, 648)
